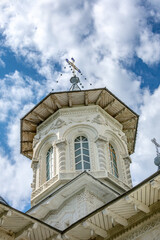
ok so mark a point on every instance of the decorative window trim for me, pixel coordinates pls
(113, 161)
(49, 163)
(70, 135)
(81, 151)
(40, 156)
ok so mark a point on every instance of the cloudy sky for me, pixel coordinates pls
(116, 44)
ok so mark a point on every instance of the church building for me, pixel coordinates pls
(79, 143)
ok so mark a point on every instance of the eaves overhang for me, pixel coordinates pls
(122, 213)
(18, 225)
(57, 100)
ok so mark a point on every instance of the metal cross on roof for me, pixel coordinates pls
(74, 80)
(73, 66)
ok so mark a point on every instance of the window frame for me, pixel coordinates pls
(82, 152)
(113, 161)
(49, 164)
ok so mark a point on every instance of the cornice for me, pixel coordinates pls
(138, 225)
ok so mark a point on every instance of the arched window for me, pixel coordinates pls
(49, 164)
(113, 159)
(82, 160)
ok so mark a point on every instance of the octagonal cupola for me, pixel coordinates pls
(68, 133)
(75, 131)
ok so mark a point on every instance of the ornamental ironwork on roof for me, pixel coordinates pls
(74, 79)
(58, 100)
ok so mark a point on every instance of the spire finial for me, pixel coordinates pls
(74, 80)
(157, 159)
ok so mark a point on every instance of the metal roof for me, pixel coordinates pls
(22, 226)
(137, 204)
(55, 101)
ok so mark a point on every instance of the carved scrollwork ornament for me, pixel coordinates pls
(124, 138)
(147, 227)
(36, 139)
(59, 123)
(99, 120)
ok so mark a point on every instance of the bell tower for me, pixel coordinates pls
(79, 142)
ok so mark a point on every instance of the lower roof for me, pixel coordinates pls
(118, 213)
(20, 225)
(142, 200)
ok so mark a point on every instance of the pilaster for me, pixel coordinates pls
(34, 167)
(61, 148)
(101, 142)
(127, 162)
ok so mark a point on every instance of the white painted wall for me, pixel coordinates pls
(60, 130)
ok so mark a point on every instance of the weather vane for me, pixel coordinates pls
(74, 80)
(157, 159)
(73, 66)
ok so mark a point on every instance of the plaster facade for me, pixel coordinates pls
(60, 131)
(73, 209)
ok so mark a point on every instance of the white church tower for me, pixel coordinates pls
(80, 143)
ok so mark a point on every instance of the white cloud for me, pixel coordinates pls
(59, 29)
(149, 49)
(17, 96)
(14, 181)
(155, 9)
(117, 25)
(16, 174)
(92, 32)
(124, 84)
(16, 90)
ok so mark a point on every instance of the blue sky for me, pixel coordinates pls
(116, 45)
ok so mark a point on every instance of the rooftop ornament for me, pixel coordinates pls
(157, 158)
(74, 80)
